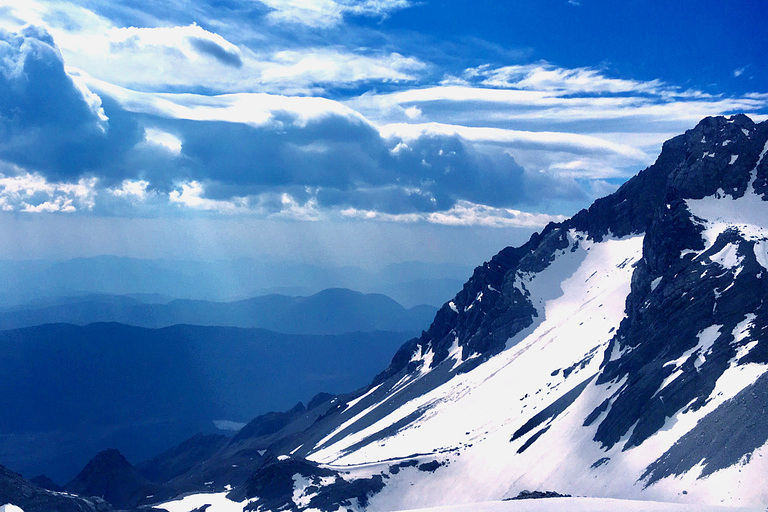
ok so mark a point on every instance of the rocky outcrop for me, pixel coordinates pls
(112, 478)
(31, 498)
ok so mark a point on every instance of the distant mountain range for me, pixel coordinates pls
(409, 283)
(332, 311)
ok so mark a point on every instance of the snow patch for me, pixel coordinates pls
(218, 503)
(733, 159)
(727, 257)
(10, 508)
(748, 214)
(655, 283)
(742, 331)
(706, 338)
(761, 253)
(357, 400)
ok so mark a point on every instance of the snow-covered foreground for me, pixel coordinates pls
(583, 505)
(10, 508)
(219, 503)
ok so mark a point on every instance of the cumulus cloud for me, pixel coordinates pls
(489, 149)
(27, 192)
(272, 155)
(129, 47)
(47, 121)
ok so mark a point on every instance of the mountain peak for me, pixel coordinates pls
(111, 477)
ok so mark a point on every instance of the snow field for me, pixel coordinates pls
(583, 505)
(580, 298)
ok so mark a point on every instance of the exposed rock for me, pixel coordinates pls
(109, 476)
(537, 495)
(32, 498)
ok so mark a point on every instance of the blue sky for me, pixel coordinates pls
(342, 131)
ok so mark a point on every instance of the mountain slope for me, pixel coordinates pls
(111, 477)
(16, 490)
(621, 353)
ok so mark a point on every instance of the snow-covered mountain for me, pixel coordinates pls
(619, 354)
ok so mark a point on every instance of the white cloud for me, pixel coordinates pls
(329, 65)
(191, 194)
(413, 113)
(253, 109)
(29, 192)
(554, 141)
(165, 140)
(293, 210)
(577, 123)
(464, 213)
(328, 13)
(170, 56)
(136, 189)
(469, 104)
(547, 77)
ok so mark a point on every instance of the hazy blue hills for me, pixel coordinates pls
(331, 311)
(69, 391)
(409, 283)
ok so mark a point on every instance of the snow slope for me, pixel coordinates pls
(583, 505)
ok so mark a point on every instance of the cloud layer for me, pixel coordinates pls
(515, 145)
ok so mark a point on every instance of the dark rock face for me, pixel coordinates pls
(721, 439)
(676, 296)
(210, 463)
(537, 495)
(109, 476)
(273, 485)
(487, 311)
(18, 491)
(182, 458)
(268, 423)
(46, 483)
